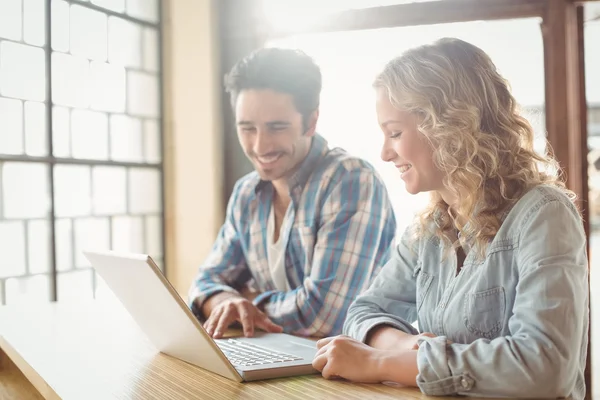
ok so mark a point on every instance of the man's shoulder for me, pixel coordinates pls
(337, 162)
(245, 187)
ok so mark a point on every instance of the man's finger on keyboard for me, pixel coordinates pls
(245, 312)
(265, 323)
(229, 315)
(212, 321)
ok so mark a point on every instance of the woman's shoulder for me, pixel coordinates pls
(533, 201)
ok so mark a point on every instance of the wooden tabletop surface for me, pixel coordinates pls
(96, 351)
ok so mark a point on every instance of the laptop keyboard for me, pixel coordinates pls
(246, 354)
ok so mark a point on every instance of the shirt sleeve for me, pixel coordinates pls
(356, 230)
(391, 299)
(225, 268)
(544, 354)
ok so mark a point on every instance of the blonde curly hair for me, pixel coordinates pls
(481, 142)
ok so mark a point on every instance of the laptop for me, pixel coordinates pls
(171, 326)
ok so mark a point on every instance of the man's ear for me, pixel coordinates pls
(312, 123)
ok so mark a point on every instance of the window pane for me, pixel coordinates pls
(88, 33)
(38, 246)
(29, 290)
(125, 138)
(90, 134)
(22, 71)
(537, 118)
(64, 244)
(592, 58)
(12, 248)
(61, 127)
(142, 94)
(109, 188)
(74, 286)
(70, 76)
(356, 61)
(34, 22)
(124, 40)
(144, 190)
(90, 234)
(154, 236)
(10, 19)
(152, 141)
(151, 50)
(29, 200)
(60, 25)
(128, 234)
(72, 190)
(35, 129)
(11, 115)
(143, 9)
(592, 87)
(107, 87)
(114, 5)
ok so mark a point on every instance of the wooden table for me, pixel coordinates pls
(96, 351)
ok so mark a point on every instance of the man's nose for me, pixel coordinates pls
(262, 142)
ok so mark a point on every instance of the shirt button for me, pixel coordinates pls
(442, 305)
(464, 383)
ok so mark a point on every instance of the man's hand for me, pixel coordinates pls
(223, 309)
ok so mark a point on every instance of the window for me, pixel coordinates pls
(80, 149)
(347, 114)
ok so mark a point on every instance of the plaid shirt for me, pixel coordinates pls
(342, 227)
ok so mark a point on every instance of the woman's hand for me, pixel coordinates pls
(344, 357)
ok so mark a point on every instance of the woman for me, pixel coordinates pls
(494, 269)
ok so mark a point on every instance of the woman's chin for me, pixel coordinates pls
(411, 187)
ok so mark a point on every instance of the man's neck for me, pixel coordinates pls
(282, 192)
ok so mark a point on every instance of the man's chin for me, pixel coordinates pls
(268, 175)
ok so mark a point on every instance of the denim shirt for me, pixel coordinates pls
(513, 324)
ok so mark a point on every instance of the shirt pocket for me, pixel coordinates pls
(484, 312)
(423, 285)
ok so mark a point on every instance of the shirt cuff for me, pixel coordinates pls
(263, 297)
(401, 325)
(435, 376)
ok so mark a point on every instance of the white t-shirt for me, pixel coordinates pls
(276, 252)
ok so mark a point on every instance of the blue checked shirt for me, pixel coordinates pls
(342, 226)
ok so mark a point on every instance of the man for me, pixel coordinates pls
(310, 226)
